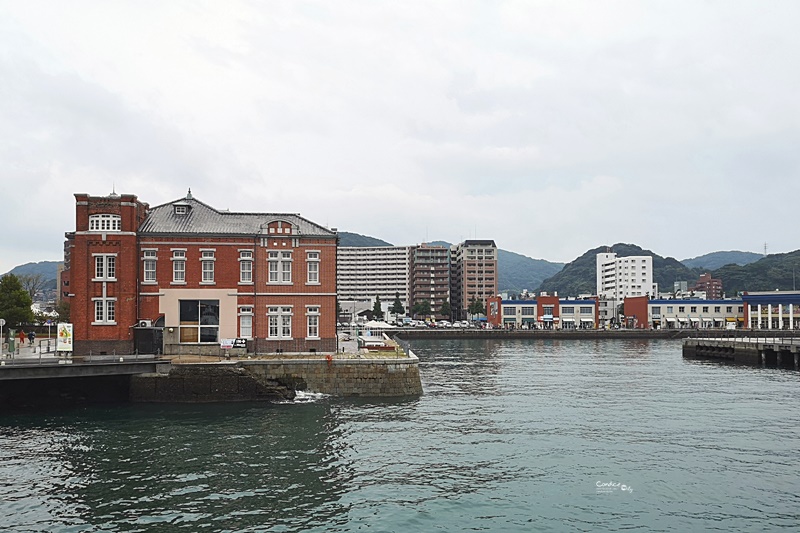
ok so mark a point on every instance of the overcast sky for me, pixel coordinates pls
(551, 127)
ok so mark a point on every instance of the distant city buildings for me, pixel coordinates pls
(436, 274)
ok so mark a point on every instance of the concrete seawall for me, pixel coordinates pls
(249, 380)
(766, 351)
(592, 334)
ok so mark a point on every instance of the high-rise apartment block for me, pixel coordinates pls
(621, 277)
(424, 272)
(430, 276)
(364, 272)
(473, 274)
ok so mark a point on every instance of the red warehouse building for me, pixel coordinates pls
(197, 275)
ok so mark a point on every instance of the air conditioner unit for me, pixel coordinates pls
(145, 323)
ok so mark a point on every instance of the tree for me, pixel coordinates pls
(476, 307)
(422, 308)
(445, 309)
(32, 283)
(377, 312)
(62, 308)
(397, 306)
(15, 302)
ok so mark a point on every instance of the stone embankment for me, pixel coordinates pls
(278, 377)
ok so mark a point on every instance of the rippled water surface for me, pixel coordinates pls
(509, 436)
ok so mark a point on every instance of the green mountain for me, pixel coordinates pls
(354, 239)
(47, 269)
(580, 276)
(517, 272)
(773, 272)
(716, 260)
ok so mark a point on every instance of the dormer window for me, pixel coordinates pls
(105, 222)
(181, 209)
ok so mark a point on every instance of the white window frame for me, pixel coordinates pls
(179, 267)
(105, 311)
(279, 267)
(149, 263)
(246, 315)
(312, 267)
(207, 259)
(105, 222)
(280, 322)
(312, 322)
(105, 267)
(246, 267)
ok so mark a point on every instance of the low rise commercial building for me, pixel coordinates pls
(772, 310)
(545, 312)
(689, 314)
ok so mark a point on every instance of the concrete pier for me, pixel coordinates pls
(781, 352)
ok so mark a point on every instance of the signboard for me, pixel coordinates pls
(64, 337)
(227, 344)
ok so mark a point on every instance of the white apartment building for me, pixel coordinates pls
(364, 272)
(621, 277)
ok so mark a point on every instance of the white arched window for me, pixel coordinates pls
(105, 222)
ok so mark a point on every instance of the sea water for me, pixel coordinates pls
(518, 435)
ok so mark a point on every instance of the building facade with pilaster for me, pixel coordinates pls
(199, 275)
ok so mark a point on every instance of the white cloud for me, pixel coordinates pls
(550, 127)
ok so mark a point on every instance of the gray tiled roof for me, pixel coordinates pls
(205, 220)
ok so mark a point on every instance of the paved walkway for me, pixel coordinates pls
(39, 350)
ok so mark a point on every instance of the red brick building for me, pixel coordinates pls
(636, 312)
(711, 286)
(198, 275)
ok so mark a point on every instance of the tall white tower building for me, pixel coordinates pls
(620, 277)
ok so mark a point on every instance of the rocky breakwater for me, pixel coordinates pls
(363, 374)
